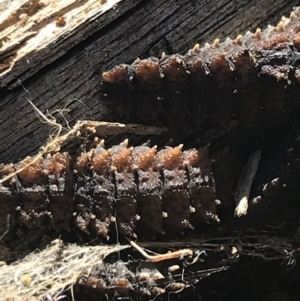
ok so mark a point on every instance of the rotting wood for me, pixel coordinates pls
(147, 29)
(261, 248)
(32, 30)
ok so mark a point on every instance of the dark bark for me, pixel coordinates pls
(257, 248)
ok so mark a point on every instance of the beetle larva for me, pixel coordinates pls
(140, 189)
(217, 88)
(118, 279)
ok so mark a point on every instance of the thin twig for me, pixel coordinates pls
(161, 257)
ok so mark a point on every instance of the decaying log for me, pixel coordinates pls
(52, 55)
(36, 31)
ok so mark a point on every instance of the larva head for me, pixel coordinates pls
(117, 74)
(293, 15)
(143, 275)
(257, 33)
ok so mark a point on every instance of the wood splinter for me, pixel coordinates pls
(162, 257)
(245, 182)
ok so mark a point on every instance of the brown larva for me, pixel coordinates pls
(124, 280)
(141, 190)
(216, 88)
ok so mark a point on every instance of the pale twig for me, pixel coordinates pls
(162, 257)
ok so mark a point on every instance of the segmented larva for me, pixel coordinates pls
(222, 86)
(118, 278)
(140, 189)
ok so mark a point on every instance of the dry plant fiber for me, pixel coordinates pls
(46, 274)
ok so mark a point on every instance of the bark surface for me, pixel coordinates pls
(52, 56)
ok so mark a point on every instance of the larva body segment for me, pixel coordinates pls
(104, 192)
(60, 189)
(220, 86)
(150, 185)
(242, 65)
(175, 81)
(126, 190)
(8, 199)
(147, 81)
(124, 280)
(83, 193)
(110, 279)
(124, 80)
(134, 190)
(176, 196)
(94, 192)
(201, 185)
(199, 84)
(31, 188)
